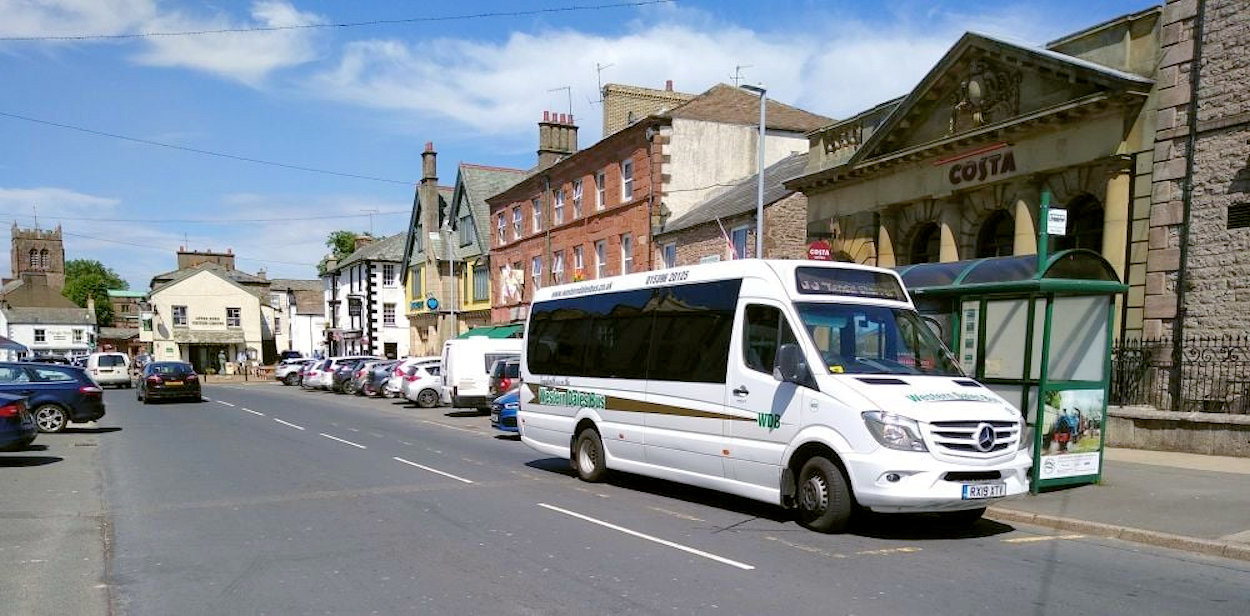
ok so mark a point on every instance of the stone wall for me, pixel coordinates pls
(785, 234)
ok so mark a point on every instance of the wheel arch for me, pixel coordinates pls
(810, 444)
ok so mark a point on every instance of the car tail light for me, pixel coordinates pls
(397, 371)
(155, 379)
(90, 390)
(505, 384)
(13, 409)
(192, 377)
(410, 378)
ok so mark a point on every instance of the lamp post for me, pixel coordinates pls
(759, 204)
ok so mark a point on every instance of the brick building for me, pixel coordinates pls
(587, 214)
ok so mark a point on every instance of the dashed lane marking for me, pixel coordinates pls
(664, 542)
(443, 425)
(432, 470)
(244, 408)
(224, 402)
(343, 440)
(287, 423)
(1042, 538)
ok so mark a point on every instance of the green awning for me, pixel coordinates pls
(514, 330)
(1070, 271)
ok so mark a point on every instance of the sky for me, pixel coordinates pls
(265, 141)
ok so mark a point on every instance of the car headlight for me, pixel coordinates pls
(894, 431)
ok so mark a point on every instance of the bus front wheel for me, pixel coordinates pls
(823, 498)
(588, 456)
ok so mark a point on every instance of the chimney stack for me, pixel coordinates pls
(668, 85)
(427, 196)
(557, 138)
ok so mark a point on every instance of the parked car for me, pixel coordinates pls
(162, 380)
(55, 394)
(421, 384)
(325, 374)
(109, 368)
(288, 370)
(17, 426)
(503, 410)
(52, 359)
(285, 355)
(394, 383)
(343, 381)
(363, 378)
(375, 379)
(503, 374)
(310, 376)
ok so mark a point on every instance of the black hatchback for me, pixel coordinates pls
(163, 380)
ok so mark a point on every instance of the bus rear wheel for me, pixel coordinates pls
(824, 499)
(588, 456)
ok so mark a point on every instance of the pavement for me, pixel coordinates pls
(1191, 502)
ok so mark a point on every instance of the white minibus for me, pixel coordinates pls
(466, 369)
(812, 385)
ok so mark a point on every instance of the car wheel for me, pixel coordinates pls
(291, 379)
(349, 388)
(50, 418)
(428, 398)
(588, 456)
(824, 499)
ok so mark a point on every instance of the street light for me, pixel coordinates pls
(759, 204)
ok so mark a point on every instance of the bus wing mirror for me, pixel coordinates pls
(789, 367)
(934, 325)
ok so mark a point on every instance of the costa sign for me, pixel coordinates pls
(819, 250)
(980, 164)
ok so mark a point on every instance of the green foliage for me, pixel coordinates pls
(341, 243)
(89, 278)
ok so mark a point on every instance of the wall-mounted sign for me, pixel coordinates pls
(820, 250)
(1056, 222)
(203, 321)
(353, 306)
(979, 165)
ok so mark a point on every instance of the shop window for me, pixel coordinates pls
(1085, 216)
(180, 316)
(926, 246)
(997, 236)
(234, 317)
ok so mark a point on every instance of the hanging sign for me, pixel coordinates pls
(819, 250)
(1056, 222)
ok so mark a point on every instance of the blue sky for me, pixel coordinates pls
(364, 100)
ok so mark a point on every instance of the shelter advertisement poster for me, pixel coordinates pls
(1071, 434)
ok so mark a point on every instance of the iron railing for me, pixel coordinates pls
(1214, 374)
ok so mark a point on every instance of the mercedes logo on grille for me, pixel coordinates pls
(985, 437)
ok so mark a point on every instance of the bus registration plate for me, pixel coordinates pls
(984, 490)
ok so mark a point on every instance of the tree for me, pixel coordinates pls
(341, 243)
(89, 278)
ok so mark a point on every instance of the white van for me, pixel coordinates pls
(466, 368)
(109, 369)
(808, 384)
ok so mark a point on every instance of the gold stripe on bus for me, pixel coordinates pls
(630, 405)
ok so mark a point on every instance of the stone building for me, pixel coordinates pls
(624, 104)
(957, 168)
(33, 312)
(299, 320)
(364, 300)
(587, 214)
(723, 226)
(126, 307)
(202, 315)
(1198, 271)
(448, 254)
(38, 251)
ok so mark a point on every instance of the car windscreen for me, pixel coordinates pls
(110, 361)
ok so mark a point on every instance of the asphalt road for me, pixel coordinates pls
(272, 500)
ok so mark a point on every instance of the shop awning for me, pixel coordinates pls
(1069, 271)
(208, 336)
(515, 330)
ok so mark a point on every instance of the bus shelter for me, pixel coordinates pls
(1038, 332)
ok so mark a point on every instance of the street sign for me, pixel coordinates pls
(1057, 222)
(819, 250)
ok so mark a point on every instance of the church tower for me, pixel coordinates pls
(36, 251)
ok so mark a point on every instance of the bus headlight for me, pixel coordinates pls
(894, 431)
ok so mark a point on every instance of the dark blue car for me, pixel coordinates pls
(503, 411)
(17, 427)
(55, 395)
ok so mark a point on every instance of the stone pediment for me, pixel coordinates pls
(984, 81)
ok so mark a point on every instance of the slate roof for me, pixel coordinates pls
(34, 293)
(742, 197)
(309, 294)
(119, 333)
(233, 275)
(727, 104)
(480, 182)
(49, 316)
(389, 248)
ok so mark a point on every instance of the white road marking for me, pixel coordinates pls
(287, 423)
(432, 470)
(1042, 538)
(664, 542)
(224, 402)
(244, 408)
(341, 440)
(451, 427)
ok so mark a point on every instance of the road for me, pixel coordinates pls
(270, 500)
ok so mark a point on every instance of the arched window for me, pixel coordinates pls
(926, 246)
(34, 258)
(996, 237)
(43, 259)
(1084, 225)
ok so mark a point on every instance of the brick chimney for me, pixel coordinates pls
(428, 192)
(362, 241)
(557, 138)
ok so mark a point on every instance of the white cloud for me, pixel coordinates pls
(248, 58)
(52, 202)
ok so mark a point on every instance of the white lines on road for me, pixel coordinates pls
(244, 408)
(451, 427)
(224, 402)
(432, 470)
(664, 542)
(343, 440)
(287, 423)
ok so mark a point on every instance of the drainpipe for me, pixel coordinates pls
(1187, 193)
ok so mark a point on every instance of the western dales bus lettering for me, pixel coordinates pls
(571, 397)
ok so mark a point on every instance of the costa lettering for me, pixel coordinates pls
(980, 169)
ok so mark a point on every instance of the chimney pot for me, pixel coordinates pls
(564, 119)
(429, 146)
(668, 85)
(571, 119)
(546, 116)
